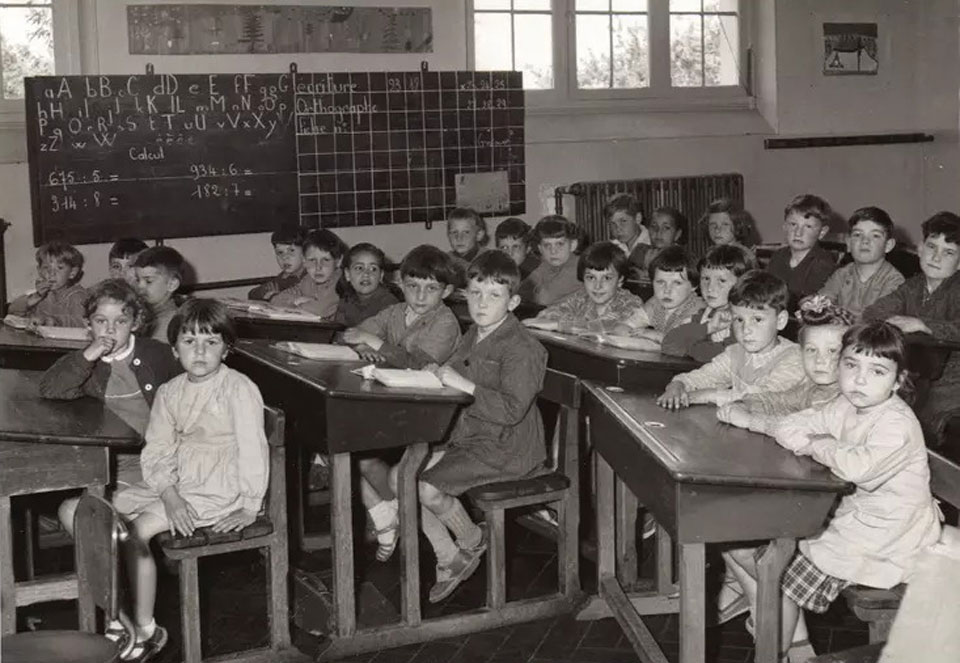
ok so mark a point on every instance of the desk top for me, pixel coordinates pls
(637, 358)
(335, 379)
(694, 447)
(26, 417)
(928, 341)
(18, 339)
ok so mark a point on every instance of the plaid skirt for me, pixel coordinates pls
(808, 586)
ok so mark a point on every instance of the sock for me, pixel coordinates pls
(439, 537)
(384, 514)
(146, 632)
(458, 520)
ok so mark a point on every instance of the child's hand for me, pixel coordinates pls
(181, 515)
(369, 354)
(909, 324)
(354, 336)
(674, 397)
(300, 301)
(452, 379)
(101, 347)
(234, 521)
(539, 323)
(270, 290)
(735, 414)
(720, 321)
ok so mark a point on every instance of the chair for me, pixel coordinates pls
(556, 485)
(98, 533)
(267, 532)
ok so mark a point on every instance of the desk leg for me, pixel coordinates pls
(693, 621)
(606, 530)
(407, 473)
(8, 590)
(769, 571)
(665, 584)
(86, 608)
(626, 535)
(341, 522)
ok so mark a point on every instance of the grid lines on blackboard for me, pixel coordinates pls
(385, 147)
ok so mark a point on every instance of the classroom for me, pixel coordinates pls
(251, 253)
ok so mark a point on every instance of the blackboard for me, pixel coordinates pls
(157, 156)
(160, 156)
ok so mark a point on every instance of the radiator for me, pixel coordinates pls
(691, 195)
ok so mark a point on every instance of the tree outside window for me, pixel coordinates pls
(26, 44)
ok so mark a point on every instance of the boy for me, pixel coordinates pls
(675, 301)
(625, 218)
(556, 276)
(759, 361)
(930, 303)
(869, 277)
(159, 272)
(513, 238)
(706, 336)
(123, 254)
(803, 264)
(58, 299)
(316, 291)
(499, 437)
(467, 234)
(288, 250)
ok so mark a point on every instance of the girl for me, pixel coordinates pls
(668, 226)
(205, 458)
(871, 438)
(365, 295)
(728, 223)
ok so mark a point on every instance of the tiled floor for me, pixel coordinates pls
(234, 606)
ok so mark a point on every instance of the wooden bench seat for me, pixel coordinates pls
(864, 654)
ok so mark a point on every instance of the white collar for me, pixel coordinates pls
(123, 355)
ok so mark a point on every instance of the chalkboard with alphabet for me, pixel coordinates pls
(181, 155)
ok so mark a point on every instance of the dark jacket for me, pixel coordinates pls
(806, 278)
(352, 310)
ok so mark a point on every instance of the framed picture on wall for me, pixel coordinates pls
(850, 49)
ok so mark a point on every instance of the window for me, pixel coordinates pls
(581, 50)
(26, 42)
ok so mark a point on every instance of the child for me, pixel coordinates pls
(668, 226)
(467, 234)
(674, 302)
(316, 291)
(499, 437)
(556, 276)
(123, 254)
(728, 223)
(58, 299)
(159, 272)
(706, 336)
(869, 437)
(365, 295)
(803, 264)
(288, 250)
(759, 361)
(625, 218)
(869, 277)
(602, 304)
(513, 238)
(205, 461)
(930, 303)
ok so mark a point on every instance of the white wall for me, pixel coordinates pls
(915, 91)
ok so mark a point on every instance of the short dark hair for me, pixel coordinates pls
(622, 202)
(943, 223)
(676, 216)
(874, 214)
(61, 252)
(495, 266)
(744, 227)
(287, 235)
(674, 259)
(126, 247)
(208, 316)
(512, 228)
(729, 256)
(325, 240)
(601, 256)
(468, 213)
(881, 339)
(365, 247)
(162, 257)
(428, 262)
(554, 225)
(117, 290)
(810, 206)
(759, 289)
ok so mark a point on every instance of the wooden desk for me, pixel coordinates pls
(590, 360)
(705, 482)
(47, 446)
(26, 350)
(256, 326)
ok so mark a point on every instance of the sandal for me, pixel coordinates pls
(387, 539)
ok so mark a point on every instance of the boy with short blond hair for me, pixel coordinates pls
(803, 264)
(869, 276)
(159, 271)
(316, 291)
(288, 250)
(58, 298)
(556, 277)
(467, 234)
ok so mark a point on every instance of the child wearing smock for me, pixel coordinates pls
(556, 275)
(205, 462)
(59, 297)
(316, 292)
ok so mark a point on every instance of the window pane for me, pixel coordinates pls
(631, 61)
(491, 31)
(593, 5)
(491, 4)
(721, 5)
(686, 53)
(593, 51)
(527, 5)
(721, 50)
(685, 5)
(629, 5)
(533, 49)
(26, 35)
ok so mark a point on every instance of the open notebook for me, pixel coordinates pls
(400, 377)
(322, 351)
(64, 333)
(16, 321)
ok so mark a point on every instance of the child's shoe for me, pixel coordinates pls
(146, 650)
(387, 541)
(462, 567)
